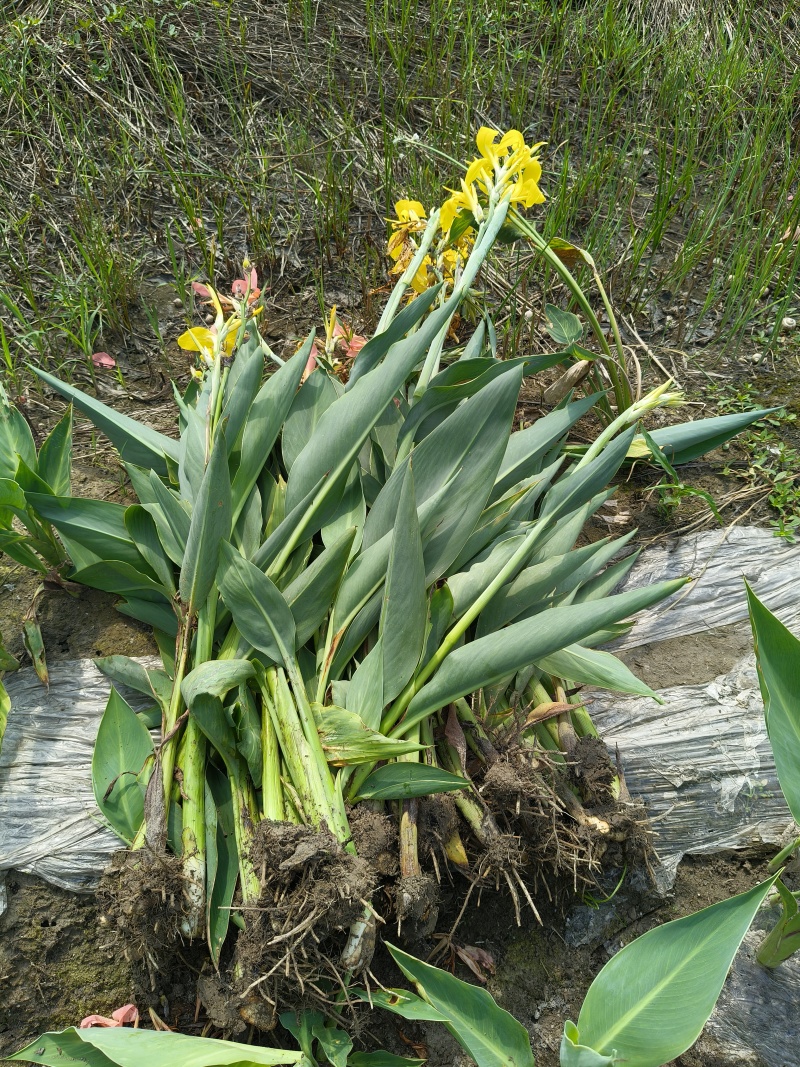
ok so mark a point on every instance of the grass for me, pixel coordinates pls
(146, 138)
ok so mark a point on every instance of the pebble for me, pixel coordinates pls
(209, 319)
(177, 302)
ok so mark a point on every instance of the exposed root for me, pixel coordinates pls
(312, 891)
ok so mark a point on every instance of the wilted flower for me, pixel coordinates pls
(411, 219)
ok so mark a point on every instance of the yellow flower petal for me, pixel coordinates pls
(198, 339)
(485, 139)
(409, 210)
(510, 142)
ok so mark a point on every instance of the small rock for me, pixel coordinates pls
(209, 319)
(177, 302)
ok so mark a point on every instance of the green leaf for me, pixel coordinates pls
(171, 517)
(381, 1059)
(122, 579)
(405, 609)
(221, 887)
(12, 502)
(267, 415)
(335, 1043)
(121, 753)
(345, 426)
(401, 1002)
(778, 659)
(18, 548)
(126, 671)
(573, 1054)
(346, 740)
(310, 596)
(142, 527)
(55, 456)
(497, 656)
(98, 1046)
(588, 667)
(488, 1033)
(32, 639)
(97, 525)
(135, 441)
(216, 678)
(16, 439)
(651, 1001)
(259, 610)
(240, 394)
(467, 585)
(365, 691)
(404, 781)
(564, 327)
(688, 441)
(210, 526)
(377, 347)
(159, 616)
(313, 398)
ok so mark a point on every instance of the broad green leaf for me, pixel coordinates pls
(688, 441)
(586, 666)
(98, 1046)
(122, 579)
(440, 615)
(172, 518)
(221, 887)
(578, 486)
(463, 379)
(121, 753)
(34, 644)
(126, 671)
(532, 587)
(216, 678)
(12, 502)
(345, 426)
(97, 525)
(499, 655)
(468, 584)
(784, 938)
(377, 347)
(403, 781)
(264, 422)
(778, 658)
(135, 441)
(405, 609)
(651, 1001)
(381, 1059)
(210, 526)
(55, 456)
(573, 1054)
(526, 449)
(142, 527)
(346, 740)
(351, 509)
(209, 715)
(488, 1033)
(400, 1002)
(310, 596)
(607, 582)
(313, 398)
(259, 610)
(334, 1042)
(159, 616)
(246, 722)
(240, 394)
(564, 327)
(365, 690)
(17, 546)
(16, 439)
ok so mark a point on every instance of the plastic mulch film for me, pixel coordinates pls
(717, 561)
(49, 821)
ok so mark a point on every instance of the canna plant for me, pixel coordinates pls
(364, 593)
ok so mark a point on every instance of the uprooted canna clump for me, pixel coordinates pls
(331, 568)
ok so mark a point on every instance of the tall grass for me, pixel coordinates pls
(286, 130)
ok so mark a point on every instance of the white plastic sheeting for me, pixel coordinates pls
(49, 821)
(702, 763)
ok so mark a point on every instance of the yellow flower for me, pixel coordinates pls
(509, 162)
(201, 339)
(411, 218)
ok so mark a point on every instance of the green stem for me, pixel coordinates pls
(271, 786)
(408, 274)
